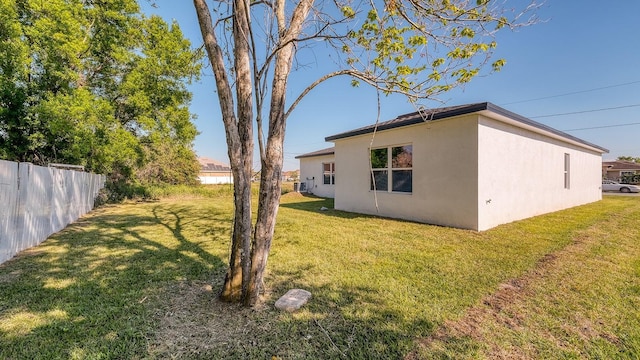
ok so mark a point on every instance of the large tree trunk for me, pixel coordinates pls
(244, 94)
(239, 134)
(235, 289)
(232, 290)
(268, 202)
(271, 180)
(248, 259)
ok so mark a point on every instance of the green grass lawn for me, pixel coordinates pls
(139, 281)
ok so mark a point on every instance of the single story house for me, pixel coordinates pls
(214, 172)
(616, 170)
(317, 173)
(476, 166)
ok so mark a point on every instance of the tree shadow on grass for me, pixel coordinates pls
(137, 284)
(338, 323)
(316, 204)
(86, 291)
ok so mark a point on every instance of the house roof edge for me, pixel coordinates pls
(452, 111)
(524, 120)
(414, 118)
(323, 152)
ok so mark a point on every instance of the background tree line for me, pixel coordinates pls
(629, 158)
(98, 84)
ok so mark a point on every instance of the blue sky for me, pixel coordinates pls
(584, 56)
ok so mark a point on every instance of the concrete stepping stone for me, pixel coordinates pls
(293, 300)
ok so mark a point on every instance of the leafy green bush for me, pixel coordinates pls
(630, 179)
(118, 191)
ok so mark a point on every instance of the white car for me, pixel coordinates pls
(610, 185)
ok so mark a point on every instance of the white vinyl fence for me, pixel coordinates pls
(37, 201)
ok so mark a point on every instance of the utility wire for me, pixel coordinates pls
(572, 93)
(584, 111)
(602, 127)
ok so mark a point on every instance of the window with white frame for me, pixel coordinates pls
(627, 173)
(392, 169)
(329, 173)
(567, 171)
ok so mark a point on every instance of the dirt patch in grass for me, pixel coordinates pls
(186, 315)
(507, 308)
(194, 323)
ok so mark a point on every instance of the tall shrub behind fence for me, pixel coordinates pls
(37, 201)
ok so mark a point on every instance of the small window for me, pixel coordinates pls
(402, 180)
(379, 158)
(567, 171)
(380, 174)
(329, 173)
(392, 169)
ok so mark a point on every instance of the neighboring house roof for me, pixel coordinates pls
(452, 111)
(323, 152)
(210, 165)
(621, 165)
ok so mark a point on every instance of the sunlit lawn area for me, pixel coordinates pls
(139, 281)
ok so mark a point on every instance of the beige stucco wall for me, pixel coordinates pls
(521, 174)
(444, 174)
(311, 174)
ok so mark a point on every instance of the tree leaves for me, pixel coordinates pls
(422, 48)
(94, 83)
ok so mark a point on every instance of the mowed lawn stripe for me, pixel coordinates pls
(578, 302)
